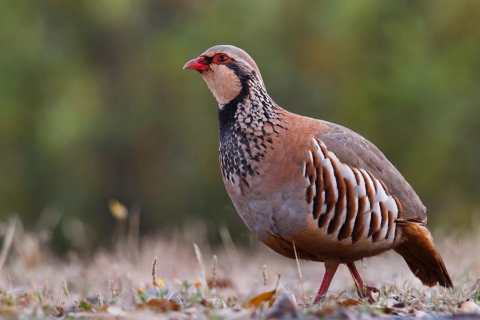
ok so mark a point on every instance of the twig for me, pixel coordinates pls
(214, 271)
(201, 262)
(265, 274)
(154, 267)
(473, 290)
(299, 269)
(100, 298)
(113, 291)
(7, 242)
(278, 282)
(65, 288)
(134, 232)
(230, 248)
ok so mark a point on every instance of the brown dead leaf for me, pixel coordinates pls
(326, 310)
(399, 305)
(10, 311)
(160, 305)
(103, 309)
(58, 311)
(261, 299)
(24, 301)
(388, 310)
(349, 302)
(206, 303)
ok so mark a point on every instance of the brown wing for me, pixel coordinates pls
(356, 151)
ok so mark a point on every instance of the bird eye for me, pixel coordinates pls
(222, 58)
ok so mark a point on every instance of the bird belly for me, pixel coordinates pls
(274, 212)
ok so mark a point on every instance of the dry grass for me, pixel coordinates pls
(192, 279)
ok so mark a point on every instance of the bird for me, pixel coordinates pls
(308, 188)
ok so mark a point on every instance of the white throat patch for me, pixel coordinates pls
(223, 82)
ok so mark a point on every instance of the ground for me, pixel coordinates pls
(181, 276)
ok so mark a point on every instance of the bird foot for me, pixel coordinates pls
(366, 293)
(330, 270)
(319, 298)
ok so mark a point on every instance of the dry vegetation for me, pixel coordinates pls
(181, 276)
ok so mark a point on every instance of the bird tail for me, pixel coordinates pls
(418, 250)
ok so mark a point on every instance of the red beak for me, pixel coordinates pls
(199, 64)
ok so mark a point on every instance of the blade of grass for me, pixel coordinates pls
(7, 242)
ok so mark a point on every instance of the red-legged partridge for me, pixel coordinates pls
(311, 184)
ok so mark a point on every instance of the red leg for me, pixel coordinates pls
(364, 291)
(330, 269)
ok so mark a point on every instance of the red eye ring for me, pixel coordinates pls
(221, 58)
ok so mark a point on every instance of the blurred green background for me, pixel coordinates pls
(94, 103)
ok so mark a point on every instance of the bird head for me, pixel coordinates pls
(226, 70)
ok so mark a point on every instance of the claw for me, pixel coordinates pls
(366, 292)
(363, 290)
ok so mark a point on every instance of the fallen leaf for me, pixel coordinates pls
(58, 311)
(206, 303)
(10, 311)
(388, 310)
(399, 305)
(103, 309)
(260, 299)
(348, 302)
(160, 305)
(326, 310)
(24, 301)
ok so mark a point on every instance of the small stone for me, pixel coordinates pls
(284, 308)
(469, 307)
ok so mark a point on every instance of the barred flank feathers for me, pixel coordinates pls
(348, 202)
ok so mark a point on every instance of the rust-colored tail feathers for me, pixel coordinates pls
(422, 257)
